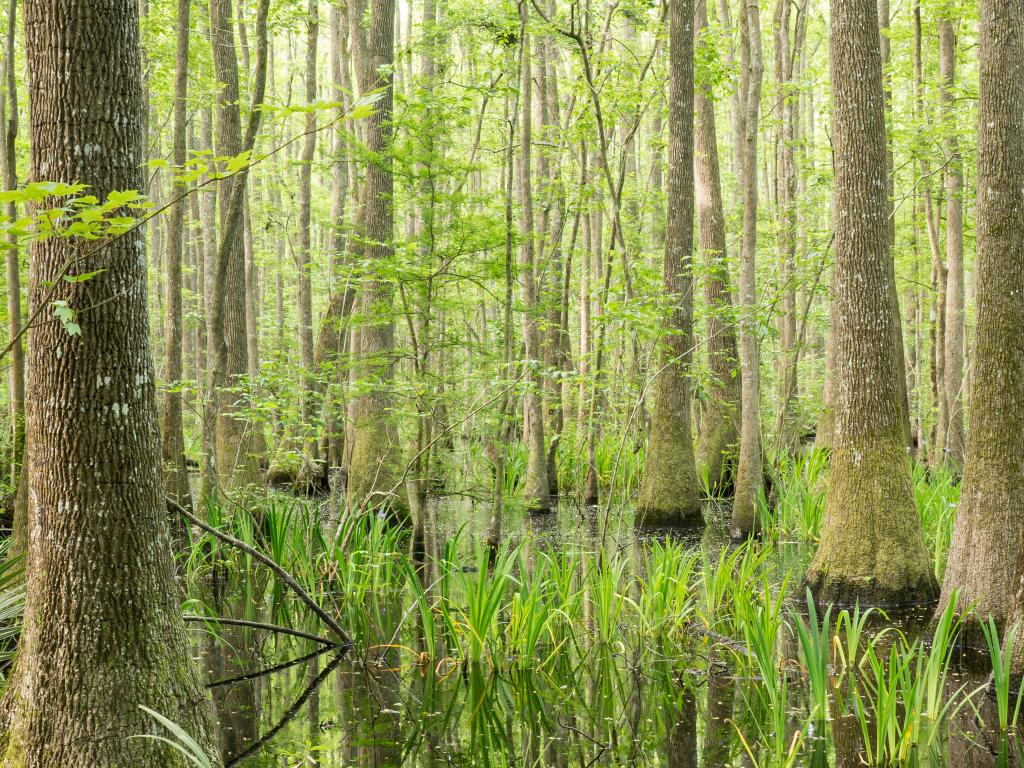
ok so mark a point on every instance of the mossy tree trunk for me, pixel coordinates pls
(872, 547)
(103, 632)
(716, 447)
(990, 517)
(670, 491)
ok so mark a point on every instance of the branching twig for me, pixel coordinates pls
(280, 572)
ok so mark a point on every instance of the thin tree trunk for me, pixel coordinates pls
(374, 473)
(719, 434)
(235, 461)
(173, 448)
(536, 489)
(304, 256)
(785, 173)
(750, 472)
(9, 170)
(953, 342)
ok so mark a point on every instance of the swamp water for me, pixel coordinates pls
(585, 644)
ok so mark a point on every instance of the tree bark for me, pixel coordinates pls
(536, 488)
(670, 490)
(103, 632)
(719, 434)
(374, 473)
(786, 436)
(9, 170)
(176, 481)
(750, 472)
(872, 547)
(305, 255)
(990, 516)
(235, 462)
(953, 343)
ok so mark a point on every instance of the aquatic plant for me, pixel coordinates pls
(1000, 654)
(179, 740)
(813, 637)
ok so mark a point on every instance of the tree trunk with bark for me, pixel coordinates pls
(305, 250)
(670, 490)
(953, 343)
(536, 489)
(176, 480)
(236, 462)
(9, 170)
(990, 516)
(375, 473)
(750, 471)
(103, 632)
(872, 547)
(719, 434)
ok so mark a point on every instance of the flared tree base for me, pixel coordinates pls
(844, 592)
(677, 515)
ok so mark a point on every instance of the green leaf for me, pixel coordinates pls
(83, 277)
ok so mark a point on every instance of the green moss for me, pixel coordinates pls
(375, 473)
(872, 547)
(670, 493)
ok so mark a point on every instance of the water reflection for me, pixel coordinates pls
(620, 696)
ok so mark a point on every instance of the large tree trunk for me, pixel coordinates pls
(536, 489)
(670, 491)
(375, 473)
(173, 448)
(716, 448)
(990, 517)
(953, 343)
(750, 471)
(872, 547)
(103, 631)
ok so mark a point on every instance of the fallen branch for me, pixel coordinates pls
(293, 710)
(280, 572)
(267, 671)
(260, 625)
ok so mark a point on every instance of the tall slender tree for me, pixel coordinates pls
(235, 460)
(953, 343)
(173, 446)
(9, 171)
(103, 632)
(374, 472)
(305, 250)
(670, 491)
(872, 547)
(750, 470)
(536, 489)
(719, 434)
